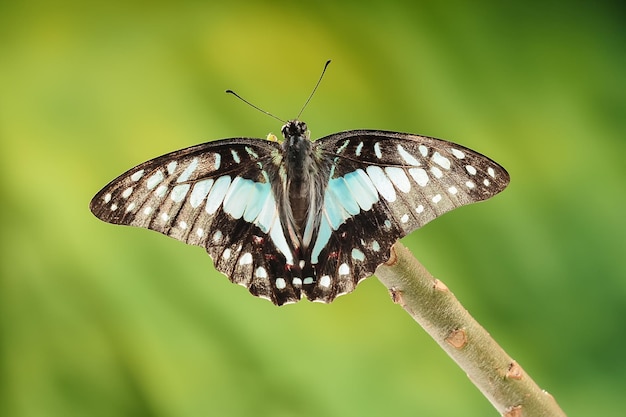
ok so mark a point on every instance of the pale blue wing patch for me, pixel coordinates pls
(236, 199)
(216, 195)
(200, 191)
(344, 198)
(361, 188)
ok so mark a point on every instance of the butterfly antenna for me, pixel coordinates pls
(314, 88)
(253, 106)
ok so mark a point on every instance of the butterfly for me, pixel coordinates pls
(300, 217)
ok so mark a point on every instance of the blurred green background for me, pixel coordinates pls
(98, 320)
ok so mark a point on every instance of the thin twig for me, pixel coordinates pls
(505, 384)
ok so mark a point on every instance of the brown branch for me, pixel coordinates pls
(505, 384)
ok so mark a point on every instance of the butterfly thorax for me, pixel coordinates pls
(304, 177)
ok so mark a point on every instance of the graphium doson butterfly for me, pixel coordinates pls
(300, 217)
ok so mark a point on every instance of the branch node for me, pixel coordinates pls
(393, 257)
(515, 411)
(440, 286)
(515, 371)
(396, 296)
(457, 338)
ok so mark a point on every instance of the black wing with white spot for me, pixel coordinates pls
(217, 195)
(384, 185)
(236, 198)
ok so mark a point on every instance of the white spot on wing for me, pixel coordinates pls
(308, 280)
(343, 146)
(165, 217)
(147, 211)
(436, 172)
(377, 150)
(359, 148)
(262, 273)
(217, 193)
(296, 281)
(171, 167)
(251, 152)
(200, 232)
(325, 281)
(423, 150)
(113, 207)
(179, 192)
(381, 182)
(344, 269)
(130, 207)
(188, 171)
(419, 175)
(404, 218)
(442, 161)
(217, 236)
(408, 158)
(419, 209)
(487, 182)
(154, 180)
(357, 255)
(218, 161)
(183, 225)
(137, 175)
(399, 178)
(457, 153)
(470, 169)
(246, 259)
(453, 190)
(280, 282)
(437, 198)
(226, 253)
(491, 172)
(235, 156)
(107, 198)
(199, 192)
(470, 184)
(375, 246)
(161, 191)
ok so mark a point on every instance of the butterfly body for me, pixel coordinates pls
(300, 217)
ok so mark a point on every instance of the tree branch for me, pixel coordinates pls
(505, 384)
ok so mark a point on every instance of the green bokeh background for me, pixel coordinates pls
(97, 320)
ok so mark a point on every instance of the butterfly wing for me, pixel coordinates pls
(217, 195)
(384, 185)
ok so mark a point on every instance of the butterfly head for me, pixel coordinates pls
(297, 146)
(295, 129)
